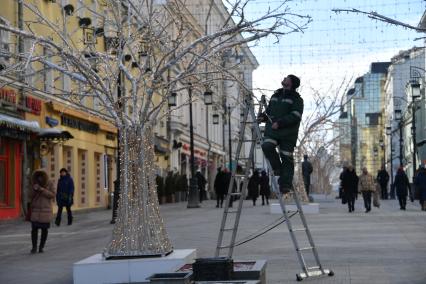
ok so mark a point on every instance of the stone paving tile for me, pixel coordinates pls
(384, 246)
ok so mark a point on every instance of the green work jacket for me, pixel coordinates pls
(285, 108)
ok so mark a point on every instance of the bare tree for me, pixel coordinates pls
(379, 17)
(316, 130)
(126, 58)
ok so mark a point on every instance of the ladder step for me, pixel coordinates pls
(232, 211)
(227, 229)
(239, 175)
(313, 268)
(235, 194)
(298, 229)
(305, 248)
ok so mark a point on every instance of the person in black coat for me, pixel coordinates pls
(64, 196)
(307, 170)
(402, 185)
(253, 186)
(420, 183)
(201, 182)
(265, 191)
(227, 181)
(350, 186)
(383, 179)
(220, 187)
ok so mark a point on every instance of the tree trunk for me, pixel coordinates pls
(139, 229)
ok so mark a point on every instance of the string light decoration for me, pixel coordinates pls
(139, 230)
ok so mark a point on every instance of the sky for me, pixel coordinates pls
(334, 46)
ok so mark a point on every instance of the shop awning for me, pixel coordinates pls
(24, 125)
(54, 134)
(45, 134)
(160, 145)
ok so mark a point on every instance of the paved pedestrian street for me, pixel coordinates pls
(384, 246)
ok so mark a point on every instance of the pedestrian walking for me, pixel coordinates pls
(402, 186)
(227, 181)
(376, 195)
(367, 186)
(265, 190)
(307, 170)
(350, 187)
(340, 196)
(41, 195)
(201, 183)
(253, 186)
(282, 117)
(64, 196)
(420, 182)
(220, 187)
(383, 179)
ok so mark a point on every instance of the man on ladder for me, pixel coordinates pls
(282, 117)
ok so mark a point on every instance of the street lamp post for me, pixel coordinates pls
(398, 117)
(389, 132)
(415, 94)
(229, 138)
(193, 190)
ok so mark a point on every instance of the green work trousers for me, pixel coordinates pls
(282, 163)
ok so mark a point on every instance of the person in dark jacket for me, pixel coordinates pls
(306, 172)
(265, 191)
(201, 181)
(219, 187)
(350, 187)
(420, 182)
(227, 181)
(383, 179)
(283, 116)
(344, 168)
(64, 196)
(253, 186)
(402, 185)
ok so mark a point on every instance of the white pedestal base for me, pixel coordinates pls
(310, 208)
(96, 270)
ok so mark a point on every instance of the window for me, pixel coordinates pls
(4, 45)
(29, 76)
(48, 73)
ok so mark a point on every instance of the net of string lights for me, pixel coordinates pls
(139, 230)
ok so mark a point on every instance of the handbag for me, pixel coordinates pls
(344, 200)
(28, 214)
(29, 209)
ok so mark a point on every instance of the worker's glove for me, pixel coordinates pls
(262, 118)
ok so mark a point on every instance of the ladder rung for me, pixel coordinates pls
(238, 175)
(305, 248)
(313, 268)
(235, 194)
(232, 211)
(227, 229)
(298, 229)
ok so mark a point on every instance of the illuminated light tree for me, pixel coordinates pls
(126, 57)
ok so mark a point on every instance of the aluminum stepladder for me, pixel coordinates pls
(250, 117)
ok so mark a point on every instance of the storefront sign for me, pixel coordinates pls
(8, 96)
(24, 103)
(79, 124)
(51, 121)
(197, 153)
(33, 104)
